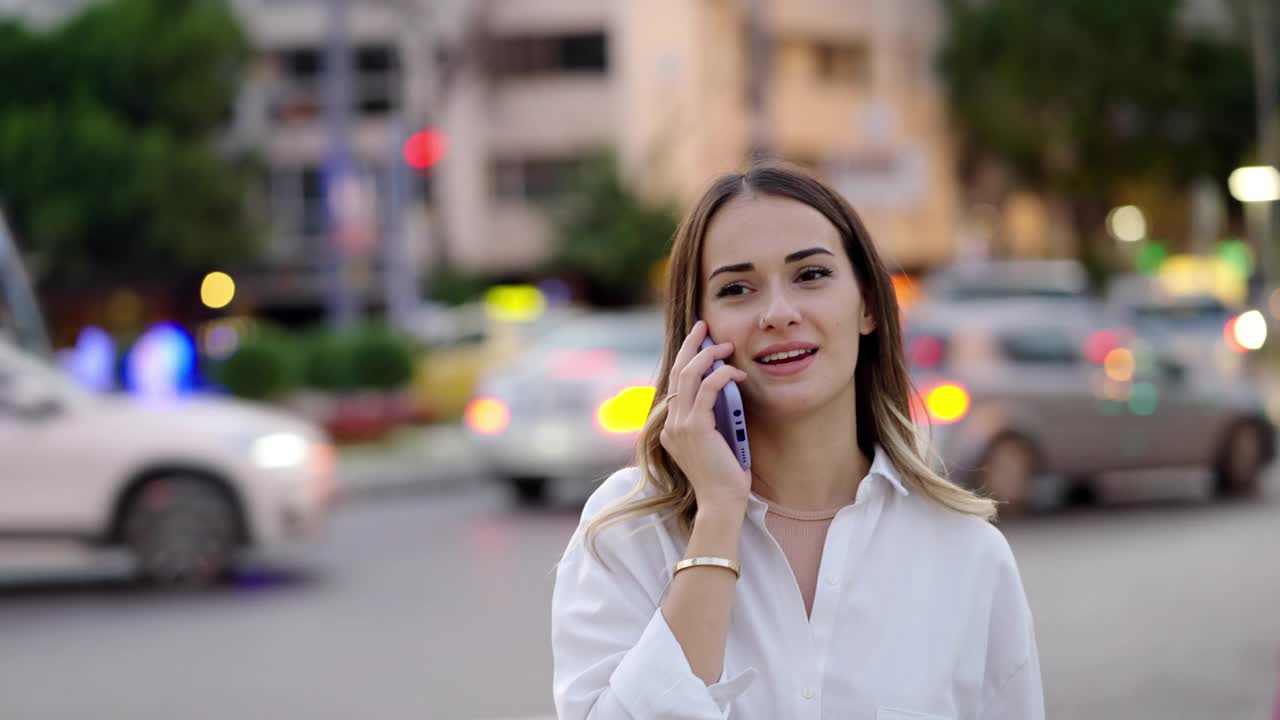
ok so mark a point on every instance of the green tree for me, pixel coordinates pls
(1079, 98)
(608, 236)
(108, 139)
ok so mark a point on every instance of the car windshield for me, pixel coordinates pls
(1208, 313)
(20, 319)
(631, 336)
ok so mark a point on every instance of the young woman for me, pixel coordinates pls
(841, 576)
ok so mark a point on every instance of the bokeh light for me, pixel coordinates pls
(1127, 223)
(1255, 184)
(1119, 364)
(1249, 330)
(947, 403)
(162, 362)
(1144, 399)
(514, 303)
(93, 360)
(217, 290)
(627, 411)
(488, 416)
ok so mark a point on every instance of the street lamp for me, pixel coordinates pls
(1257, 187)
(1257, 184)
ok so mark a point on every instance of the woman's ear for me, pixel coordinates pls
(866, 323)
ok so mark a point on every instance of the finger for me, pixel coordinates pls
(694, 371)
(711, 387)
(689, 347)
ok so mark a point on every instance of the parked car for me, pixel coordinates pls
(1020, 393)
(1193, 327)
(189, 485)
(566, 411)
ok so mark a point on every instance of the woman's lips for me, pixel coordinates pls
(790, 367)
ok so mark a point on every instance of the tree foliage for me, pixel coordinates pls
(1079, 97)
(610, 237)
(108, 138)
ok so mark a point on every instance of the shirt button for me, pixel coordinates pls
(807, 693)
(833, 580)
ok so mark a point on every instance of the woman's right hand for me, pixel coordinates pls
(689, 433)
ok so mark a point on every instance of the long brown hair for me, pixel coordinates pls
(883, 385)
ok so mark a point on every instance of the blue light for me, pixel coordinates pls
(162, 362)
(93, 360)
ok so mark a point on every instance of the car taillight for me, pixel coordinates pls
(625, 412)
(947, 402)
(1100, 343)
(487, 415)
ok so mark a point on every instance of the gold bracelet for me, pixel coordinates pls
(725, 563)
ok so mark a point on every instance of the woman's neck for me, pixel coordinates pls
(811, 462)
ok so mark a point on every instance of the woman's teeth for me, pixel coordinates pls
(785, 356)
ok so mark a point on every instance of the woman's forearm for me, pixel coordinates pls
(700, 599)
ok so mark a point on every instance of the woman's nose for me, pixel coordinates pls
(779, 312)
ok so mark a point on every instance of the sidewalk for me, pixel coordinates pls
(422, 459)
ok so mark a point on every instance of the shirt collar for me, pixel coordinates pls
(882, 468)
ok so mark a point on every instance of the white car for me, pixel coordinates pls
(566, 413)
(186, 485)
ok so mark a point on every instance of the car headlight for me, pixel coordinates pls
(280, 450)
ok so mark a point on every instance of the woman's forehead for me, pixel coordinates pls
(755, 228)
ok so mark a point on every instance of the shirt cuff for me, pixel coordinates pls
(654, 680)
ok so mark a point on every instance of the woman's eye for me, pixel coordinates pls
(813, 273)
(733, 289)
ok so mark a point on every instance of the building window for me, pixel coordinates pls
(842, 63)
(520, 55)
(299, 92)
(376, 81)
(535, 179)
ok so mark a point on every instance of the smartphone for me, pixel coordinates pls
(731, 417)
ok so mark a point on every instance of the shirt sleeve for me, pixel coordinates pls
(1013, 689)
(614, 655)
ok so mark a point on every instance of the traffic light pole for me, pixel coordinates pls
(399, 265)
(338, 166)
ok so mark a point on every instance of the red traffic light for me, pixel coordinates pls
(424, 149)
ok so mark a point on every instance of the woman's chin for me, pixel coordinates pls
(786, 404)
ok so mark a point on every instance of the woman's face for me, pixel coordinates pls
(776, 278)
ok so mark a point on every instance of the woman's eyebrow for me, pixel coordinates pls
(802, 254)
(793, 257)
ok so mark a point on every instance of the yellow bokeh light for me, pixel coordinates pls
(1120, 365)
(947, 403)
(514, 303)
(1251, 330)
(488, 416)
(217, 290)
(626, 411)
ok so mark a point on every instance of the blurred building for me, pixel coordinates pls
(524, 90)
(849, 91)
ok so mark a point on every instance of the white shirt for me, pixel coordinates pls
(919, 615)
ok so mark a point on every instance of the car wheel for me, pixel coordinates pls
(182, 530)
(1244, 454)
(530, 491)
(1006, 473)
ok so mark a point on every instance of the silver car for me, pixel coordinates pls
(1029, 399)
(566, 413)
